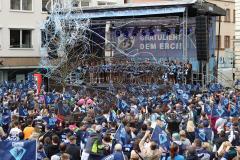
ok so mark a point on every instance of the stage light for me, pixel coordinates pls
(135, 32)
(168, 31)
(151, 33)
(118, 33)
(144, 32)
(189, 30)
(125, 33)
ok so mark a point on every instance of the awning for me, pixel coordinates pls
(133, 13)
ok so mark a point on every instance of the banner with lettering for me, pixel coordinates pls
(18, 150)
(155, 43)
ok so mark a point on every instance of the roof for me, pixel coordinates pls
(165, 7)
(163, 3)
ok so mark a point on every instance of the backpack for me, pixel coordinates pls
(97, 148)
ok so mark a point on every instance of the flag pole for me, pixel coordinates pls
(153, 132)
(123, 156)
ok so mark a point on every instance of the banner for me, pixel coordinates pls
(18, 150)
(156, 43)
(121, 135)
(38, 79)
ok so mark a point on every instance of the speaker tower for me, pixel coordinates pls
(202, 38)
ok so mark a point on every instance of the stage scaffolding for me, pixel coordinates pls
(110, 17)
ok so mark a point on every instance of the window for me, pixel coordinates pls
(20, 38)
(227, 42)
(105, 3)
(227, 17)
(20, 78)
(101, 3)
(234, 16)
(111, 3)
(44, 3)
(84, 4)
(25, 5)
(218, 42)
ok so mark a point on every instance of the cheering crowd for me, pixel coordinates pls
(136, 123)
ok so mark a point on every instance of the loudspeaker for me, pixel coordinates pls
(202, 38)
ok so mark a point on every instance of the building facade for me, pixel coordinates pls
(225, 38)
(237, 40)
(20, 22)
(20, 34)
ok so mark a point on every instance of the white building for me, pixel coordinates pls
(20, 34)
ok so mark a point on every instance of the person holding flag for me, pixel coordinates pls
(150, 150)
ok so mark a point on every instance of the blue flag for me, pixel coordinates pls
(121, 135)
(63, 109)
(50, 121)
(122, 105)
(161, 137)
(1, 92)
(110, 157)
(6, 117)
(18, 150)
(224, 101)
(0, 119)
(30, 77)
(23, 112)
(49, 99)
(113, 116)
(219, 111)
(31, 104)
(20, 85)
(207, 109)
(204, 134)
(5, 83)
(200, 134)
(234, 111)
(215, 87)
(184, 98)
(67, 95)
(237, 82)
(141, 99)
